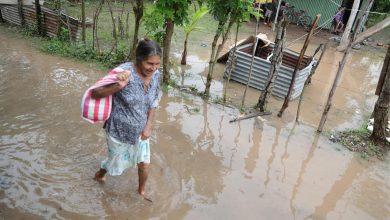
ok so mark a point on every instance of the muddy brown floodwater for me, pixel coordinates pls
(203, 167)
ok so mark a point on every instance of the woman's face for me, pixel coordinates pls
(150, 65)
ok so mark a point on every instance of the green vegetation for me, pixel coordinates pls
(358, 140)
(84, 52)
(381, 7)
(105, 54)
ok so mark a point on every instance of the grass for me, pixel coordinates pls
(359, 140)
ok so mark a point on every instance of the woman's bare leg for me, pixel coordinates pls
(143, 172)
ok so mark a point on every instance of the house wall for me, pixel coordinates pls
(327, 8)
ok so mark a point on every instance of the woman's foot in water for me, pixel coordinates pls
(142, 193)
(100, 175)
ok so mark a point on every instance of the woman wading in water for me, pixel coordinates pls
(135, 98)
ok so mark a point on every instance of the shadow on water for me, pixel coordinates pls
(203, 167)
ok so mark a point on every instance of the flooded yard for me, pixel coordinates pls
(202, 166)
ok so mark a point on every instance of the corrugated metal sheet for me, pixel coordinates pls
(25, 2)
(261, 68)
(50, 19)
(327, 8)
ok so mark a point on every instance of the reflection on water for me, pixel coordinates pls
(203, 167)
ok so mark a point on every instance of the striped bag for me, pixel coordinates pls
(98, 110)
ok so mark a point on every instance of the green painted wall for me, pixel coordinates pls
(327, 8)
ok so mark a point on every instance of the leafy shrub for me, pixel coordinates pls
(63, 34)
(30, 30)
(54, 46)
(83, 52)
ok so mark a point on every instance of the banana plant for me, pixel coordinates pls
(191, 26)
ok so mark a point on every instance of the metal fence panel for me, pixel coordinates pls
(50, 19)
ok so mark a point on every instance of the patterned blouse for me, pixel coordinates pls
(131, 105)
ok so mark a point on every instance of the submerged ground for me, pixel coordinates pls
(203, 167)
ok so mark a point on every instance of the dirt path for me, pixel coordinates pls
(203, 167)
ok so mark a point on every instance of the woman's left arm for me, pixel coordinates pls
(147, 132)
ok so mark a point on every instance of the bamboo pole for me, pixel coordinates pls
(308, 37)
(308, 80)
(334, 86)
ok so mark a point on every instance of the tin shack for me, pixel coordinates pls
(262, 64)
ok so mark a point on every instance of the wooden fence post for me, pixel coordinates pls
(348, 26)
(1, 17)
(308, 80)
(20, 11)
(276, 61)
(83, 34)
(287, 98)
(335, 83)
(38, 15)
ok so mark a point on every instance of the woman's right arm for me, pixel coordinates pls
(123, 79)
(104, 91)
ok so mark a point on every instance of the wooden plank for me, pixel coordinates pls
(250, 116)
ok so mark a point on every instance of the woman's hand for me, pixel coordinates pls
(123, 78)
(146, 133)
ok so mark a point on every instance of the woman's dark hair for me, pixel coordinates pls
(145, 49)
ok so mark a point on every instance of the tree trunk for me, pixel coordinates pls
(275, 66)
(68, 25)
(59, 11)
(138, 10)
(167, 48)
(345, 38)
(127, 25)
(113, 27)
(361, 15)
(95, 40)
(83, 33)
(369, 32)
(382, 105)
(220, 46)
(120, 21)
(184, 54)
(212, 57)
